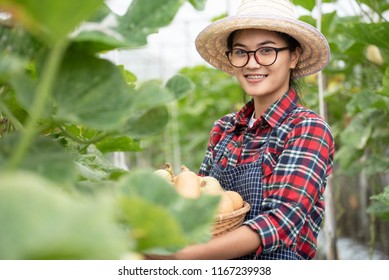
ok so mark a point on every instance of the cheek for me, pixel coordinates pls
(238, 73)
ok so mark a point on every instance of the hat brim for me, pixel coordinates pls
(211, 43)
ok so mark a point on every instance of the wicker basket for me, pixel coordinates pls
(226, 222)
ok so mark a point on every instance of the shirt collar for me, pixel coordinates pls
(274, 115)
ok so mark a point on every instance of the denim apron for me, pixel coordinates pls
(246, 179)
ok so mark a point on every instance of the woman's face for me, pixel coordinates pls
(264, 82)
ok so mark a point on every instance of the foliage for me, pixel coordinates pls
(356, 97)
(381, 205)
(63, 108)
(193, 116)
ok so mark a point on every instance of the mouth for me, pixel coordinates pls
(255, 77)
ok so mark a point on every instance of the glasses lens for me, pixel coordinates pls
(266, 56)
(238, 57)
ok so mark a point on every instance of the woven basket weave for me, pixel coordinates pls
(226, 222)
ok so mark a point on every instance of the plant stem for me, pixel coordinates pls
(43, 92)
(14, 121)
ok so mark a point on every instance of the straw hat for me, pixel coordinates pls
(275, 15)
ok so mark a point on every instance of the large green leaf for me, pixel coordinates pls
(55, 19)
(187, 220)
(151, 225)
(142, 18)
(40, 221)
(145, 17)
(45, 157)
(147, 123)
(91, 92)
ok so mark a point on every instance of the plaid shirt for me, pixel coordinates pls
(295, 168)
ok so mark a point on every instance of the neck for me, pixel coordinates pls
(262, 103)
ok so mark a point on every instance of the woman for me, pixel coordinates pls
(274, 152)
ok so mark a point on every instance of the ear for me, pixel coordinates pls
(295, 55)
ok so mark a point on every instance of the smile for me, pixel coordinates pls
(255, 77)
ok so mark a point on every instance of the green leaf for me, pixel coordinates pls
(361, 101)
(10, 65)
(154, 195)
(9, 99)
(347, 157)
(54, 19)
(152, 226)
(357, 133)
(100, 35)
(147, 123)
(379, 6)
(91, 92)
(45, 157)
(145, 17)
(180, 85)
(307, 4)
(150, 95)
(367, 33)
(375, 165)
(40, 221)
(93, 166)
(24, 87)
(198, 4)
(380, 204)
(385, 82)
(118, 143)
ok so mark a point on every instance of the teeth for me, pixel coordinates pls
(256, 76)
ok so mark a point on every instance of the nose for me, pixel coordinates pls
(252, 63)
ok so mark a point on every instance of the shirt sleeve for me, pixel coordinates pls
(294, 184)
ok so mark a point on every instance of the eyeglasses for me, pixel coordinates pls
(264, 56)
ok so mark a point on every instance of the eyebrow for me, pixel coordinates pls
(258, 45)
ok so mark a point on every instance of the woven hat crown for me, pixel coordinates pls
(266, 7)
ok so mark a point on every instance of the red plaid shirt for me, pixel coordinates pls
(295, 170)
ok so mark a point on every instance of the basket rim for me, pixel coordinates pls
(246, 207)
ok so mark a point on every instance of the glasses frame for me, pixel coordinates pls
(277, 50)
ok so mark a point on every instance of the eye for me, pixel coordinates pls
(239, 52)
(266, 51)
